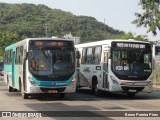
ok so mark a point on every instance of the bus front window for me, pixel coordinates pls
(50, 62)
(131, 64)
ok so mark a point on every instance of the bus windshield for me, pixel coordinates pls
(52, 61)
(132, 64)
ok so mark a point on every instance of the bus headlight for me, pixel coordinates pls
(72, 82)
(149, 83)
(31, 81)
(114, 80)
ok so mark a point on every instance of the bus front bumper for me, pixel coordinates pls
(132, 86)
(52, 90)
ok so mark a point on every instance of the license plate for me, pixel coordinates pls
(52, 91)
(132, 90)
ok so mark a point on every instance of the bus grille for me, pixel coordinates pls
(126, 89)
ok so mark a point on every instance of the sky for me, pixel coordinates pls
(117, 14)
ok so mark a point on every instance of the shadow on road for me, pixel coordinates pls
(122, 96)
(63, 110)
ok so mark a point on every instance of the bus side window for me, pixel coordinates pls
(89, 56)
(97, 55)
(105, 60)
(83, 59)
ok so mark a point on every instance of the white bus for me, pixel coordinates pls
(40, 65)
(116, 66)
(156, 50)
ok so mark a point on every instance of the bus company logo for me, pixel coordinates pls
(52, 83)
(87, 70)
(58, 83)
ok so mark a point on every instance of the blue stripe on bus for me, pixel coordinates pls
(52, 83)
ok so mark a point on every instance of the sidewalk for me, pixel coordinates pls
(156, 84)
(156, 88)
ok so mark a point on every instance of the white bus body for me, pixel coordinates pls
(116, 66)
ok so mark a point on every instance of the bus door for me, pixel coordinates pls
(105, 68)
(13, 68)
(25, 55)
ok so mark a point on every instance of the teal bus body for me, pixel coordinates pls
(21, 74)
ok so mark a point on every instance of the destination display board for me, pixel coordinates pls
(50, 43)
(130, 45)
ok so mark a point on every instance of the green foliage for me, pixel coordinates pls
(33, 20)
(150, 18)
(7, 39)
(129, 35)
(126, 36)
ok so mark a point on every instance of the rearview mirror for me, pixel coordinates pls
(25, 55)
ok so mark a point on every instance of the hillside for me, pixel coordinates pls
(31, 20)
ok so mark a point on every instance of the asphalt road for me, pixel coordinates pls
(82, 104)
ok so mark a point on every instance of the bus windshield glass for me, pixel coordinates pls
(52, 59)
(131, 61)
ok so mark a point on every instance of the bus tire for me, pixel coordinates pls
(24, 95)
(130, 94)
(96, 91)
(10, 89)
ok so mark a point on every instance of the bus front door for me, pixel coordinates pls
(105, 69)
(13, 68)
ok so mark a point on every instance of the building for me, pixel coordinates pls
(75, 39)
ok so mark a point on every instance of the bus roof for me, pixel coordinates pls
(106, 42)
(28, 39)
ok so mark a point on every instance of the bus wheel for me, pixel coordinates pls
(15, 90)
(10, 89)
(97, 92)
(24, 95)
(131, 95)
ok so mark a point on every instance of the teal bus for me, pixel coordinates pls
(40, 65)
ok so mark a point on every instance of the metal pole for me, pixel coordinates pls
(46, 30)
(104, 26)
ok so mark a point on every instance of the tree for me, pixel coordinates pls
(150, 18)
(129, 35)
(29, 20)
(7, 39)
(126, 36)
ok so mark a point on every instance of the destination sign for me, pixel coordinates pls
(51, 43)
(131, 45)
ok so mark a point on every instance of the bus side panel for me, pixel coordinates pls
(84, 76)
(8, 74)
(17, 75)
